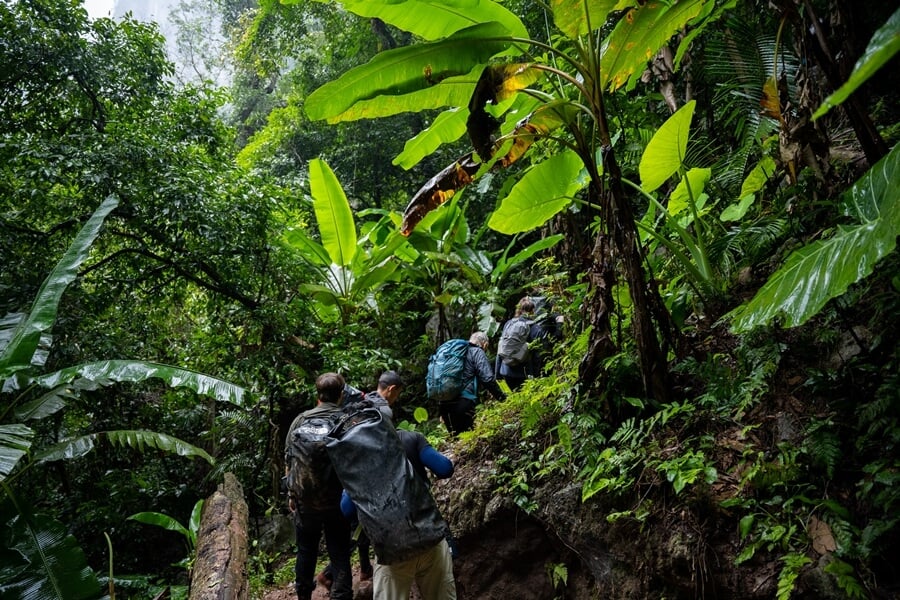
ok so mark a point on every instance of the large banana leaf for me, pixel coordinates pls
(448, 127)
(18, 352)
(639, 35)
(823, 270)
(333, 214)
(882, 48)
(15, 440)
(41, 561)
(543, 191)
(579, 17)
(393, 73)
(106, 371)
(138, 439)
(436, 19)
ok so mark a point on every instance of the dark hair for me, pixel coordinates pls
(525, 306)
(330, 387)
(389, 378)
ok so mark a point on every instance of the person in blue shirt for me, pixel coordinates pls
(432, 570)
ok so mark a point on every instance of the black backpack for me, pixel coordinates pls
(394, 504)
(311, 481)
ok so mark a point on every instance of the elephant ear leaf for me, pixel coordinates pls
(823, 270)
(882, 48)
(45, 561)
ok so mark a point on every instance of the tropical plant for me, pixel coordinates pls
(580, 69)
(42, 559)
(188, 530)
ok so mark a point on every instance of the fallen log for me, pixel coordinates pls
(220, 569)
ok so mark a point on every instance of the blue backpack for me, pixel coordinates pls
(444, 380)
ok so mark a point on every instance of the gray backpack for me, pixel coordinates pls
(513, 346)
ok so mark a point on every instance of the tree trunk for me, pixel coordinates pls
(220, 569)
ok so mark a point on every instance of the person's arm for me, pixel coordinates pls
(437, 463)
(348, 507)
(485, 374)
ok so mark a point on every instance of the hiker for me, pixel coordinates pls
(458, 414)
(314, 494)
(384, 397)
(432, 568)
(516, 361)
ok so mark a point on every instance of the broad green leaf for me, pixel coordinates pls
(333, 214)
(106, 371)
(758, 177)
(400, 71)
(312, 251)
(882, 48)
(160, 520)
(448, 127)
(638, 36)
(823, 270)
(137, 439)
(49, 564)
(436, 19)
(696, 179)
(24, 341)
(453, 91)
(543, 191)
(736, 212)
(505, 265)
(665, 153)
(570, 16)
(15, 441)
(194, 522)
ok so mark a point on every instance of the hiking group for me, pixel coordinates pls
(350, 472)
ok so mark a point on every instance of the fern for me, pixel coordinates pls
(843, 574)
(793, 562)
(823, 445)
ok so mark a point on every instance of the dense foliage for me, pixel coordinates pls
(713, 238)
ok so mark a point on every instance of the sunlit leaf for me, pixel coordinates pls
(820, 271)
(882, 48)
(543, 191)
(695, 179)
(435, 19)
(447, 127)
(638, 36)
(666, 150)
(333, 214)
(570, 16)
(407, 69)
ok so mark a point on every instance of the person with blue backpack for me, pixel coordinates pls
(455, 372)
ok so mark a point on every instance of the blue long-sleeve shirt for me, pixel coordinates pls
(421, 456)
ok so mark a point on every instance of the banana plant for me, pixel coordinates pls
(41, 559)
(347, 268)
(557, 95)
(188, 531)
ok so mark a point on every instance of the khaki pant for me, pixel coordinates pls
(432, 570)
